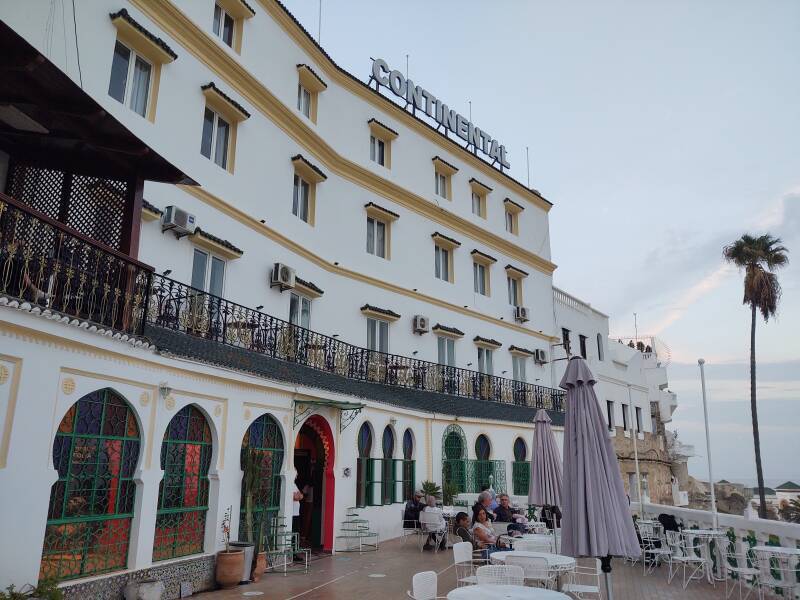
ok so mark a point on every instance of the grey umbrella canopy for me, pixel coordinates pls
(546, 479)
(596, 519)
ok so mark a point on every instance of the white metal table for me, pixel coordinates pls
(504, 592)
(778, 550)
(557, 563)
(705, 536)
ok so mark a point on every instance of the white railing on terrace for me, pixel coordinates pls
(755, 532)
(571, 301)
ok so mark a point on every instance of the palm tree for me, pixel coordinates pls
(758, 256)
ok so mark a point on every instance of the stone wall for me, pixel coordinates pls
(654, 462)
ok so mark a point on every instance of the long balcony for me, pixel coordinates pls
(51, 269)
(180, 308)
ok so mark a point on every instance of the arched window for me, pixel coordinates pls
(482, 448)
(408, 445)
(409, 475)
(454, 454)
(387, 467)
(520, 468)
(388, 442)
(183, 492)
(520, 450)
(365, 470)
(95, 452)
(261, 460)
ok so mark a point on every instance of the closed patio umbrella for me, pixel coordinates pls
(546, 480)
(596, 520)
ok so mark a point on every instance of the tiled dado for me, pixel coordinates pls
(198, 571)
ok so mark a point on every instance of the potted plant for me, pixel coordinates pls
(252, 534)
(430, 488)
(46, 590)
(449, 493)
(229, 562)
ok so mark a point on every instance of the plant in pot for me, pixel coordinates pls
(253, 533)
(429, 488)
(229, 561)
(449, 493)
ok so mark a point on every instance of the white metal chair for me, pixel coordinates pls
(410, 528)
(466, 564)
(739, 565)
(431, 527)
(424, 586)
(654, 547)
(532, 546)
(535, 569)
(584, 581)
(500, 575)
(686, 554)
(777, 573)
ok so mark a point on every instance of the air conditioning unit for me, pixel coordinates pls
(521, 314)
(421, 324)
(282, 276)
(540, 356)
(178, 221)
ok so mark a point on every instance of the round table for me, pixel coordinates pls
(504, 592)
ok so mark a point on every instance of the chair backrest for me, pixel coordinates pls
(500, 575)
(429, 519)
(532, 545)
(424, 585)
(533, 568)
(692, 544)
(675, 543)
(777, 570)
(462, 552)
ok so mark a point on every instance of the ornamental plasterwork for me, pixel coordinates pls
(68, 386)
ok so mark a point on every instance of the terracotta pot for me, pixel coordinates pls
(261, 566)
(229, 568)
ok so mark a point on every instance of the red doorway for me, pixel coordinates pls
(314, 456)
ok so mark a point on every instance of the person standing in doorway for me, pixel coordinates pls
(308, 507)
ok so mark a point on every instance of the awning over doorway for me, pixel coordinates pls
(349, 410)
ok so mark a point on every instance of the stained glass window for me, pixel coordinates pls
(387, 467)
(408, 445)
(364, 468)
(262, 452)
(95, 452)
(183, 492)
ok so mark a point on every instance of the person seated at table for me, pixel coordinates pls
(440, 528)
(462, 527)
(412, 509)
(483, 533)
(493, 504)
(484, 502)
(505, 514)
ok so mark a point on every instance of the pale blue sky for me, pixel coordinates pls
(661, 131)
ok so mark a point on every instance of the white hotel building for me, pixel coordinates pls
(340, 293)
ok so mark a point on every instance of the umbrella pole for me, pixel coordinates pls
(605, 566)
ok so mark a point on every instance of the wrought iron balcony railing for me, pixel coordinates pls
(58, 271)
(178, 307)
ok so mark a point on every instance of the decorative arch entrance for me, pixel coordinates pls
(454, 455)
(314, 456)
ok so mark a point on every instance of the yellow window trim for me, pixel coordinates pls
(523, 352)
(479, 188)
(217, 101)
(307, 171)
(448, 334)
(310, 80)
(380, 213)
(136, 39)
(444, 167)
(512, 206)
(238, 9)
(482, 259)
(198, 239)
(515, 273)
(306, 291)
(206, 49)
(487, 278)
(381, 131)
(379, 315)
(489, 344)
(445, 242)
